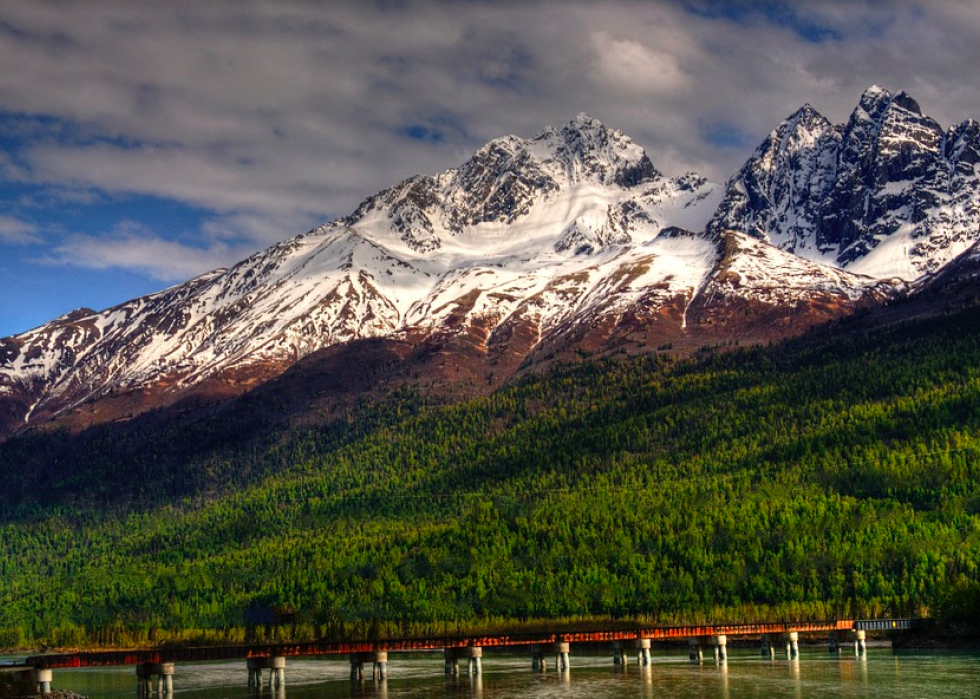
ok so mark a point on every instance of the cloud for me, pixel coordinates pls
(272, 114)
(17, 232)
(635, 66)
(133, 246)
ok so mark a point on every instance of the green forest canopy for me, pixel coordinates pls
(824, 478)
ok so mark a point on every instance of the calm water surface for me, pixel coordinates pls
(672, 676)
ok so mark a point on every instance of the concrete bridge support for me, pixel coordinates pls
(694, 650)
(643, 654)
(833, 642)
(621, 654)
(276, 666)
(539, 661)
(164, 672)
(42, 680)
(452, 656)
(378, 660)
(720, 644)
(620, 658)
(860, 642)
(793, 645)
(277, 674)
(475, 664)
(561, 651)
(768, 649)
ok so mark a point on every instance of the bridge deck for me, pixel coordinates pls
(311, 648)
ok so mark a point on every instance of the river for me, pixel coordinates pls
(817, 674)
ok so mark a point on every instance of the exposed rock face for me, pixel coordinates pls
(538, 248)
(889, 193)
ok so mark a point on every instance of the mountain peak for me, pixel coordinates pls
(582, 121)
(593, 151)
(806, 118)
(903, 100)
(873, 103)
(874, 95)
(805, 113)
(532, 245)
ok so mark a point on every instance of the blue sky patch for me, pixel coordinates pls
(779, 14)
(726, 136)
(418, 132)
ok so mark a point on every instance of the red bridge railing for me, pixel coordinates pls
(324, 647)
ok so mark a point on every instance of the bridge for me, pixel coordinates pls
(161, 662)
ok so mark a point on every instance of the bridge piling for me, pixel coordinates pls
(619, 655)
(539, 659)
(768, 649)
(277, 671)
(42, 680)
(452, 660)
(277, 674)
(860, 642)
(474, 666)
(695, 652)
(720, 643)
(561, 651)
(164, 672)
(643, 655)
(793, 645)
(380, 665)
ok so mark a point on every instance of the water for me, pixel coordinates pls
(816, 675)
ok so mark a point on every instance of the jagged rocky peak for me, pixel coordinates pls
(806, 117)
(549, 241)
(863, 124)
(499, 184)
(591, 151)
(506, 178)
(776, 195)
(887, 194)
(904, 127)
(874, 101)
(584, 150)
(963, 146)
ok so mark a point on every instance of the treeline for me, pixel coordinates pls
(815, 479)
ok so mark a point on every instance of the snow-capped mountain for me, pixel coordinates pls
(888, 194)
(536, 248)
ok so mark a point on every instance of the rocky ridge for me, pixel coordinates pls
(888, 194)
(568, 242)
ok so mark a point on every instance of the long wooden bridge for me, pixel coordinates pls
(161, 662)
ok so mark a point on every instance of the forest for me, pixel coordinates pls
(828, 477)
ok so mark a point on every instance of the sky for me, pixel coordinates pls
(145, 142)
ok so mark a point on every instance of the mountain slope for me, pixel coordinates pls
(564, 244)
(888, 194)
(822, 477)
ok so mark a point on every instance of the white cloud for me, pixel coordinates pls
(275, 114)
(634, 66)
(17, 232)
(131, 245)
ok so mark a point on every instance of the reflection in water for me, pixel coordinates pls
(369, 689)
(464, 686)
(797, 679)
(672, 676)
(646, 676)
